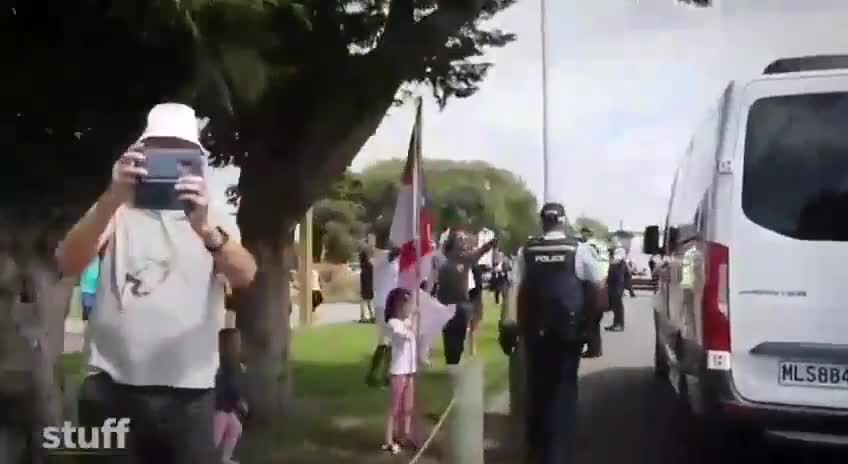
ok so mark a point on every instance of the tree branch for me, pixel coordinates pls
(401, 18)
(407, 47)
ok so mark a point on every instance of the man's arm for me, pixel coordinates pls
(588, 269)
(233, 260)
(473, 257)
(509, 308)
(87, 237)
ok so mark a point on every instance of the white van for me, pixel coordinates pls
(752, 312)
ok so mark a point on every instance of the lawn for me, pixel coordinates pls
(338, 418)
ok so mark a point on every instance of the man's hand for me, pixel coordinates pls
(193, 189)
(125, 174)
(508, 338)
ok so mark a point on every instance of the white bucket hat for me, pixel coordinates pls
(173, 120)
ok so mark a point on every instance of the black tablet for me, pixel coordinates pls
(164, 167)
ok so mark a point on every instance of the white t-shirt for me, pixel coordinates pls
(404, 347)
(159, 304)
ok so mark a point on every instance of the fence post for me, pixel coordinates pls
(305, 263)
(518, 400)
(465, 421)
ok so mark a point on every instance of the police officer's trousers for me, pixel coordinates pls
(552, 365)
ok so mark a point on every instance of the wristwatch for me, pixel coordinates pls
(225, 237)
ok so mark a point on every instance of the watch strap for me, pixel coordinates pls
(225, 237)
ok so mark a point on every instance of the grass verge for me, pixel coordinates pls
(338, 418)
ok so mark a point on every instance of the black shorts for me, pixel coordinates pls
(167, 425)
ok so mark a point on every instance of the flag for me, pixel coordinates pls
(434, 317)
(412, 224)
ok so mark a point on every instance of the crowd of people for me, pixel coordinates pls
(449, 302)
(179, 382)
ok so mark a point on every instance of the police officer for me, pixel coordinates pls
(594, 342)
(554, 277)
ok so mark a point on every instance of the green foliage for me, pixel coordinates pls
(344, 219)
(339, 244)
(598, 228)
(472, 195)
(79, 81)
(266, 72)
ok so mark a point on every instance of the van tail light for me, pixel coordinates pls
(715, 300)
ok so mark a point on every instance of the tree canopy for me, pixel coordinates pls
(465, 194)
(271, 75)
(292, 90)
(598, 228)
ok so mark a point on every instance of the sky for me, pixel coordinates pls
(628, 81)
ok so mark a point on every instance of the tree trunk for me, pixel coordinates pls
(264, 321)
(33, 305)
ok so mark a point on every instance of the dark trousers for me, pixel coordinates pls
(453, 334)
(552, 366)
(617, 306)
(594, 342)
(167, 425)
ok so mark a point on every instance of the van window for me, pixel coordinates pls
(795, 179)
(695, 176)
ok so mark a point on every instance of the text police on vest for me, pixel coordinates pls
(550, 259)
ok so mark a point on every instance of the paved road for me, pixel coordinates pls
(332, 313)
(628, 417)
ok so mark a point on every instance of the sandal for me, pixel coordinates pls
(391, 448)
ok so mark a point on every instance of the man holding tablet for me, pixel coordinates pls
(167, 258)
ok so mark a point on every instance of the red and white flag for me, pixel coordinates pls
(412, 225)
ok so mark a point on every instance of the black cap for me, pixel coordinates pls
(554, 210)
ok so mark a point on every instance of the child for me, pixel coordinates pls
(401, 323)
(228, 403)
(88, 287)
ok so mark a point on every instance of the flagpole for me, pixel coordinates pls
(416, 221)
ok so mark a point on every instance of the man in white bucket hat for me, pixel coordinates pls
(153, 346)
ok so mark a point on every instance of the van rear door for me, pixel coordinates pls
(788, 269)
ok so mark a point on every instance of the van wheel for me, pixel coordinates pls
(660, 358)
(711, 439)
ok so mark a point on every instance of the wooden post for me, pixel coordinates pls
(305, 268)
(517, 379)
(518, 401)
(465, 421)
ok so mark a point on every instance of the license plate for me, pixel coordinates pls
(802, 374)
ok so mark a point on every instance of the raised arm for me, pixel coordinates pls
(588, 269)
(87, 237)
(473, 257)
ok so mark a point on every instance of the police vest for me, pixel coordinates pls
(551, 296)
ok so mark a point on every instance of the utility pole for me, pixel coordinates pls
(545, 108)
(518, 359)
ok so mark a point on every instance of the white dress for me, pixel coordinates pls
(404, 346)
